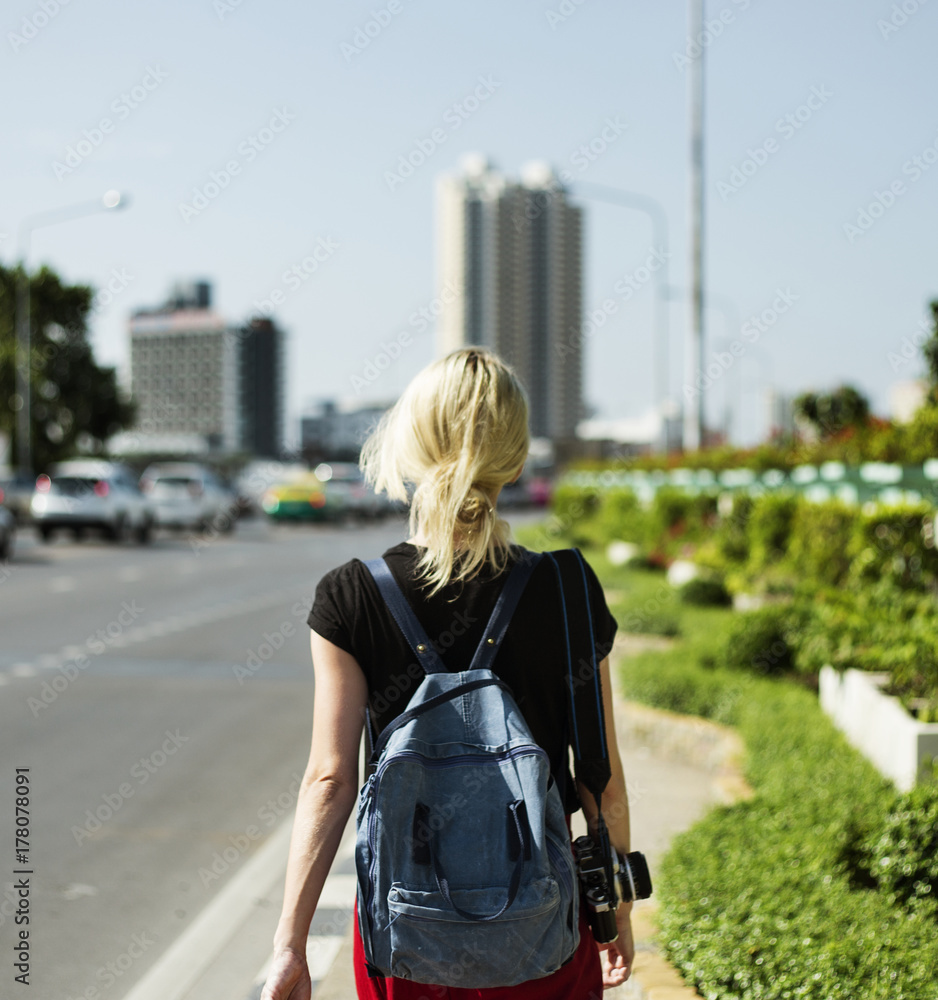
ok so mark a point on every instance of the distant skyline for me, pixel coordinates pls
(288, 154)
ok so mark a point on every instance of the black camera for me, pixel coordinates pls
(606, 880)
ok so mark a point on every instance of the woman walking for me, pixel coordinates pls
(458, 435)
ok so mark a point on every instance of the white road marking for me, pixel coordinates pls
(62, 584)
(187, 958)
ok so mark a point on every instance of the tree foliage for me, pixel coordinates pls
(76, 403)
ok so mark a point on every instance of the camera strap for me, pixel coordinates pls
(587, 722)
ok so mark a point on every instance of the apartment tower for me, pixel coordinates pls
(510, 271)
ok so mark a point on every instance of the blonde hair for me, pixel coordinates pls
(457, 435)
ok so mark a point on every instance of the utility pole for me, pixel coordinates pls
(694, 352)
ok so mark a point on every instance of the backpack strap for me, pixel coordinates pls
(504, 608)
(584, 684)
(403, 614)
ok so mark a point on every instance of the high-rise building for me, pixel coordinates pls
(201, 383)
(510, 266)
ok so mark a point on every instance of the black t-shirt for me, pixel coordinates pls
(349, 611)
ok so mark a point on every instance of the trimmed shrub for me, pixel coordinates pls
(904, 852)
(770, 524)
(755, 900)
(705, 593)
(821, 536)
(575, 507)
(623, 518)
(890, 544)
(759, 642)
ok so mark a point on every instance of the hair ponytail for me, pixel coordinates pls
(457, 435)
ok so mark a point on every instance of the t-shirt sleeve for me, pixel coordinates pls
(329, 615)
(604, 622)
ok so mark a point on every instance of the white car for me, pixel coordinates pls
(188, 496)
(87, 494)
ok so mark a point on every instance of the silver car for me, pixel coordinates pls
(188, 496)
(85, 495)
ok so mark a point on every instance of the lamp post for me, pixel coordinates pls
(693, 355)
(110, 200)
(659, 220)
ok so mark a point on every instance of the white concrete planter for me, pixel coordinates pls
(877, 724)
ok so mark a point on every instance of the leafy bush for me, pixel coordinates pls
(732, 532)
(574, 508)
(879, 628)
(889, 544)
(622, 518)
(705, 593)
(903, 854)
(759, 642)
(770, 524)
(755, 899)
(821, 535)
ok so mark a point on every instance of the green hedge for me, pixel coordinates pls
(862, 578)
(759, 899)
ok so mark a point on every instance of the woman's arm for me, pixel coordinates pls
(619, 954)
(325, 802)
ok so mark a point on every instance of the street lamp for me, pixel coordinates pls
(659, 219)
(693, 355)
(110, 200)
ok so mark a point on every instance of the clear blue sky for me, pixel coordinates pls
(229, 67)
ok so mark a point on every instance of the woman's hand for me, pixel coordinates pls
(288, 978)
(617, 956)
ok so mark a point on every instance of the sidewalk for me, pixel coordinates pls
(676, 767)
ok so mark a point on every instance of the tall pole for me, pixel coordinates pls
(111, 200)
(23, 373)
(694, 353)
(659, 220)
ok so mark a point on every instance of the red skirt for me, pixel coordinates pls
(580, 979)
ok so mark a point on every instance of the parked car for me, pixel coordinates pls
(16, 492)
(188, 496)
(84, 495)
(7, 534)
(304, 498)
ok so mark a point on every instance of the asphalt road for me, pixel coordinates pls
(161, 699)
